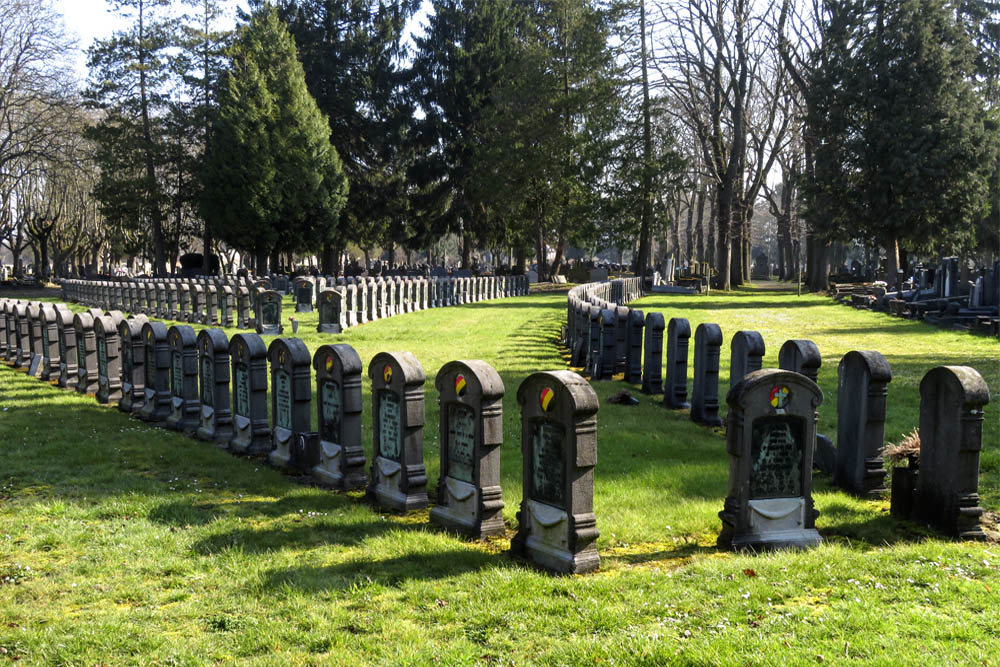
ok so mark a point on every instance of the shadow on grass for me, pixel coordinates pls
(681, 551)
(306, 535)
(423, 565)
(655, 304)
(839, 519)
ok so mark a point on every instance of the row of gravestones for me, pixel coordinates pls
(216, 389)
(346, 302)
(611, 339)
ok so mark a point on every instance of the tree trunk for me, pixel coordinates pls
(891, 246)
(723, 241)
(206, 257)
(641, 263)
(466, 249)
(540, 242)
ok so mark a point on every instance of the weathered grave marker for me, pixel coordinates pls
(770, 434)
(291, 393)
(157, 366)
(216, 419)
(469, 499)
(652, 364)
(109, 371)
(338, 409)
(67, 350)
(633, 350)
(862, 379)
(675, 389)
(132, 364)
(746, 355)
(251, 429)
(705, 392)
(269, 313)
(331, 311)
(184, 405)
(86, 351)
(557, 528)
(304, 295)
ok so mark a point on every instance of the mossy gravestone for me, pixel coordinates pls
(770, 434)
(251, 430)
(469, 500)
(862, 387)
(132, 364)
(185, 408)
(216, 419)
(557, 528)
(157, 366)
(291, 393)
(109, 371)
(341, 456)
(86, 353)
(398, 478)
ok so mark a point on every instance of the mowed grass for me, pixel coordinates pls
(124, 543)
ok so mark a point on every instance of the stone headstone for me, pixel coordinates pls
(86, 351)
(156, 356)
(215, 417)
(747, 355)
(109, 371)
(621, 337)
(705, 392)
(633, 350)
(801, 356)
(35, 339)
(951, 437)
(243, 317)
(861, 399)
(398, 478)
(50, 343)
(603, 366)
(469, 499)
(678, 338)
(67, 350)
(557, 528)
(331, 311)
(251, 429)
(771, 428)
(341, 456)
(269, 313)
(304, 295)
(652, 373)
(291, 395)
(185, 408)
(133, 370)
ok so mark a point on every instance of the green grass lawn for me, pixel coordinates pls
(124, 543)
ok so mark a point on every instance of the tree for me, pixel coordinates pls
(273, 182)
(900, 156)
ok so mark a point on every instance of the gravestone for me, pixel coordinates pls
(652, 378)
(133, 368)
(350, 305)
(678, 336)
(593, 336)
(338, 410)
(226, 305)
(35, 339)
(50, 343)
(398, 479)
(331, 311)
(156, 361)
(621, 337)
(801, 356)
(469, 500)
(746, 355)
(109, 370)
(862, 379)
(633, 350)
(243, 317)
(304, 295)
(557, 528)
(216, 419)
(4, 305)
(183, 303)
(211, 305)
(771, 428)
(67, 350)
(364, 302)
(291, 393)
(705, 392)
(86, 353)
(269, 313)
(251, 429)
(951, 437)
(603, 366)
(185, 409)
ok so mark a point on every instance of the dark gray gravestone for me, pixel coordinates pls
(251, 430)
(861, 397)
(678, 336)
(17, 335)
(211, 305)
(216, 419)
(269, 313)
(109, 370)
(557, 528)
(183, 302)
(50, 343)
(633, 350)
(304, 289)
(469, 499)
(594, 337)
(35, 339)
(771, 428)
(133, 365)
(603, 366)
(398, 479)
(801, 356)
(156, 362)
(86, 353)
(243, 317)
(291, 394)
(350, 305)
(652, 364)
(225, 305)
(364, 303)
(4, 305)
(951, 437)
(341, 456)
(185, 409)
(67, 350)
(621, 338)
(746, 355)
(331, 311)
(705, 392)
(197, 314)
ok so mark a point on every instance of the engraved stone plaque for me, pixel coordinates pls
(242, 394)
(102, 356)
(207, 380)
(150, 366)
(548, 472)
(126, 352)
(177, 374)
(389, 425)
(330, 409)
(283, 403)
(461, 442)
(776, 457)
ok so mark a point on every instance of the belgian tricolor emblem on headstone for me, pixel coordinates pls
(779, 396)
(387, 373)
(460, 385)
(545, 398)
(328, 364)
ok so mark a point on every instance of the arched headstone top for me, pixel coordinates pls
(247, 346)
(212, 340)
(582, 398)
(800, 355)
(654, 321)
(298, 353)
(473, 370)
(389, 368)
(154, 332)
(339, 353)
(963, 381)
(878, 367)
(182, 336)
(752, 341)
(80, 320)
(748, 389)
(712, 333)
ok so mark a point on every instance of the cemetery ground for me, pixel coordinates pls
(123, 542)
